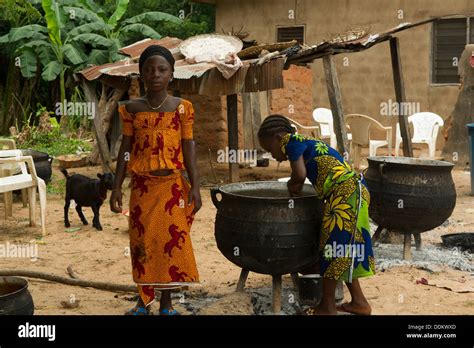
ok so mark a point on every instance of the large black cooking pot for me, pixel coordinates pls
(15, 299)
(410, 195)
(42, 162)
(260, 228)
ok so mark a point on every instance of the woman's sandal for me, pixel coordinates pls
(309, 311)
(166, 311)
(138, 311)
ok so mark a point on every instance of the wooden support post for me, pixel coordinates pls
(256, 117)
(334, 93)
(377, 234)
(89, 91)
(400, 96)
(276, 285)
(294, 279)
(247, 121)
(417, 237)
(233, 135)
(242, 279)
(407, 247)
(254, 106)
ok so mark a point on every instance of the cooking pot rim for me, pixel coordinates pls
(23, 282)
(409, 161)
(222, 189)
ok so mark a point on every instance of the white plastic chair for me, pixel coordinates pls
(360, 126)
(25, 180)
(324, 118)
(296, 125)
(425, 131)
(9, 144)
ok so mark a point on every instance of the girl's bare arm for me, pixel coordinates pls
(298, 176)
(189, 155)
(120, 172)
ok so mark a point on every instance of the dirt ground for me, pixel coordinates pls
(103, 256)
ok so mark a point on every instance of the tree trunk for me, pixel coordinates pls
(62, 88)
(456, 148)
(8, 111)
(107, 105)
(100, 140)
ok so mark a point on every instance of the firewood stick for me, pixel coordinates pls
(68, 281)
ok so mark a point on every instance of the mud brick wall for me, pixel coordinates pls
(210, 127)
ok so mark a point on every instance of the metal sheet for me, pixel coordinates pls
(134, 50)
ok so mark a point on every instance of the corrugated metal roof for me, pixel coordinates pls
(200, 78)
(205, 78)
(134, 50)
(324, 48)
(128, 67)
(94, 72)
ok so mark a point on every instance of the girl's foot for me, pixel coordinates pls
(355, 308)
(137, 310)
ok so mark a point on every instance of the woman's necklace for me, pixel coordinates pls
(156, 107)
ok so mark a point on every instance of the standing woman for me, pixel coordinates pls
(157, 148)
(344, 242)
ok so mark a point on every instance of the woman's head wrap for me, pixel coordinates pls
(156, 50)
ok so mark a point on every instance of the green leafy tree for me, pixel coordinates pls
(111, 29)
(14, 13)
(196, 18)
(74, 36)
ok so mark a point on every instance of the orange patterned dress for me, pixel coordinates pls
(160, 217)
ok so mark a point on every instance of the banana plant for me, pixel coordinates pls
(114, 30)
(76, 33)
(14, 13)
(52, 45)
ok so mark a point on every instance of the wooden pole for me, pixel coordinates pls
(233, 135)
(334, 94)
(91, 97)
(107, 286)
(242, 279)
(400, 96)
(247, 121)
(407, 246)
(276, 291)
(256, 117)
(294, 279)
(417, 237)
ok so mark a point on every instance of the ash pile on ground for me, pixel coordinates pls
(262, 301)
(249, 302)
(430, 257)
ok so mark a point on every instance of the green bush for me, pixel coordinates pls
(56, 143)
(48, 137)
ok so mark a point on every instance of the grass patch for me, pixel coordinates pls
(56, 186)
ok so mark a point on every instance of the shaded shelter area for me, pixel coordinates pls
(261, 72)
